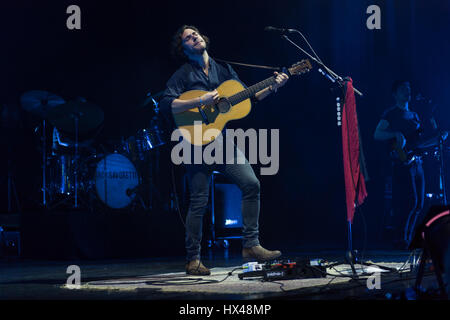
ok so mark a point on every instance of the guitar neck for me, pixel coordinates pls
(251, 91)
(296, 69)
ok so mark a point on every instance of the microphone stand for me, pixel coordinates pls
(350, 255)
(441, 169)
(442, 133)
(155, 156)
(328, 73)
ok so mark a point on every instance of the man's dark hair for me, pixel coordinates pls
(397, 84)
(177, 45)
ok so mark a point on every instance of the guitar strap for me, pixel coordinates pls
(249, 65)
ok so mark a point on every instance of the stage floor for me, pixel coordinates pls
(165, 279)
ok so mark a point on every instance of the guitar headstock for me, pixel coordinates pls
(300, 67)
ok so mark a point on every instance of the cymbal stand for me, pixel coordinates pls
(156, 156)
(44, 163)
(75, 173)
(442, 171)
(153, 157)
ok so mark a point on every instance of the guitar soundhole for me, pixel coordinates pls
(223, 105)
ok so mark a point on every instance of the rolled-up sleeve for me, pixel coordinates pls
(174, 88)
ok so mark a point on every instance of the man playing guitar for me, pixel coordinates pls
(402, 126)
(201, 72)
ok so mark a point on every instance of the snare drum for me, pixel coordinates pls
(116, 180)
(150, 138)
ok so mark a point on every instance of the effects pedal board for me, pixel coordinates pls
(284, 270)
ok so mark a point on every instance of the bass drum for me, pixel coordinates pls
(116, 181)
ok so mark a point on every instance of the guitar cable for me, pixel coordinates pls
(177, 204)
(249, 65)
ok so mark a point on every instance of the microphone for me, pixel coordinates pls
(279, 30)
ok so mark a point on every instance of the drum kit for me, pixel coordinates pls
(75, 173)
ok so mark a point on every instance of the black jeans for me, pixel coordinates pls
(408, 193)
(199, 178)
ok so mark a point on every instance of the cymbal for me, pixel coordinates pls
(89, 116)
(40, 102)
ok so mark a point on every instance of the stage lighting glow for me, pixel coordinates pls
(230, 222)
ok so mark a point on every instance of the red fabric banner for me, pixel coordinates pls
(355, 185)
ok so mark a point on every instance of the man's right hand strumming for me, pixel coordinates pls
(209, 98)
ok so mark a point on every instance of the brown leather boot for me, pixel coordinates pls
(259, 253)
(196, 268)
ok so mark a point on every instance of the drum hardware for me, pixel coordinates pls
(76, 116)
(432, 148)
(136, 191)
(61, 169)
(437, 152)
(142, 148)
(149, 140)
(40, 103)
(437, 142)
(69, 172)
(61, 182)
(150, 98)
(442, 167)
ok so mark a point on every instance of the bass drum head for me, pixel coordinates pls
(115, 179)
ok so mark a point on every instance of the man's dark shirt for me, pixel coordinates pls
(190, 76)
(404, 121)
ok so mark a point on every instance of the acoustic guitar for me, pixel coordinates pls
(233, 103)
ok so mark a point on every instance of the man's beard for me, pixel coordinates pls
(199, 51)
